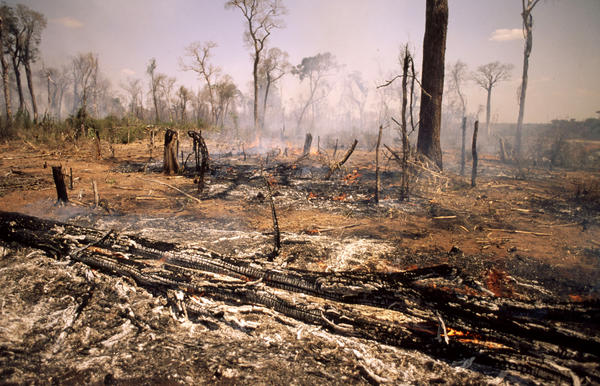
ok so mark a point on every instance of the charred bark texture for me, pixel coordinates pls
(377, 177)
(59, 182)
(170, 163)
(474, 152)
(337, 165)
(463, 146)
(201, 157)
(434, 50)
(307, 144)
(555, 342)
(276, 232)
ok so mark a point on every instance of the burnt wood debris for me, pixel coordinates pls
(553, 341)
(201, 158)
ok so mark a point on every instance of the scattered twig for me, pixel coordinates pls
(172, 187)
(519, 231)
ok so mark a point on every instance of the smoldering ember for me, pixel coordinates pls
(305, 222)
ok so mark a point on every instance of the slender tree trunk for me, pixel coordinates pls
(264, 112)
(59, 104)
(462, 152)
(31, 92)
(377, 177)
(19, 86)
(474, 152)
(255, 76)
(528, 24)
(405, 144)
(5, 82)
(155, 100)
(434, 49)
(488, 108)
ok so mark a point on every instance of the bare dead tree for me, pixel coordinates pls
(434, 50)
(463, 145)
(377, 176)
(200, 54)
(32, 24)
(183, 97)
(5, 15)
(487, 76)
(85, 69)
(315, 69)
(201, 157)
(262, 17)
(133, 87)
(474, 152)
(527, 6)
(274, 66)
(156, 83)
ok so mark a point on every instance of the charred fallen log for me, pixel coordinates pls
(544, 340)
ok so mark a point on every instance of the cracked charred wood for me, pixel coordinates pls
(538, 339)
(337, 165)
(59, 182)
(276, 232)
(170, 163)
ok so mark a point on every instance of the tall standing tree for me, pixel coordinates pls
(85, 68)
(200, 55)
(273, 67)
(487, 76)
(262, 17)
(156, 82)
(434, 50)
(315, 69)
(6, 18)
(31, 23)
(183, 97)
(528, 6)
(133, 87)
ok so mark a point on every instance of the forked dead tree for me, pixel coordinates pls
(170, 163)
(201, 156)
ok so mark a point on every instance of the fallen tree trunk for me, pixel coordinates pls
(503, 333)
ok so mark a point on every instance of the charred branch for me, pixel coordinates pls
(276, 232)
(499, 332)
(201, 157)
(337, 165)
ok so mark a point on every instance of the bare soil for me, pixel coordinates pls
(517, 226)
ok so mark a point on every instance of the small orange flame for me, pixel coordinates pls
(341, 197)
(352, 178)
(312, 196)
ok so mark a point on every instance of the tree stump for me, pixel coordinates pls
(170, 163)
(307, 143)
(59, 181)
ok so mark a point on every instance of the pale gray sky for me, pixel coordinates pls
(364, 36)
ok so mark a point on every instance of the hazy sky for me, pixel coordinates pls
(364, 35)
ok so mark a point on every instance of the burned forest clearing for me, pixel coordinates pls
(487, 284)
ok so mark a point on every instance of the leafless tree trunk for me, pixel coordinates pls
(474, 152)
(462, 151)
(377, 177)
(434, 50)
(17, 73)
(528, 6)
(262, 17)
(5, 80)
(31, 92)
(59, 182)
